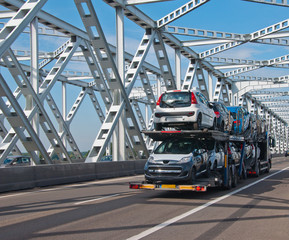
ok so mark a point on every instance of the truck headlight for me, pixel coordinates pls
(151, 159)
(185, 159)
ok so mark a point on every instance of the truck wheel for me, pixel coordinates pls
(229, 182)
(193, 176)
(257, 168)
(235, 178)
(244, 173)
(197, 125)
(268, 167)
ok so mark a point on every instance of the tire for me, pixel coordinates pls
(235, 178)
(268, 166)
(158, 126)
(257, 168)
(208, 172)
(222, 127)
(229, 182)
(215, 167)
(214, 125)
(244, 173)
(197, 125)
(193, 176)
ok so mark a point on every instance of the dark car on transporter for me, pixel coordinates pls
(177, 160)
(224, 117)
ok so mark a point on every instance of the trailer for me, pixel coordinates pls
(225, 176)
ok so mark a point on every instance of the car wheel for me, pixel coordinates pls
(208, 172)
(214, 127)
(215, 167)
(158, 126)
(197, 125)
(222, 127)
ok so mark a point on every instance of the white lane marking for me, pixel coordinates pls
(14, 195)
(97, 199)
(70, 186)
(186, 214)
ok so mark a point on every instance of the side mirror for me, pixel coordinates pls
(210, 105)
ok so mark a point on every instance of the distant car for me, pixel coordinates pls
(184, 109)
(241, 119)
(224, 118)
(177, 160)
(107, 158)
(286, 153)
(17, 161)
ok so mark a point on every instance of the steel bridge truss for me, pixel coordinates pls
(32, 121)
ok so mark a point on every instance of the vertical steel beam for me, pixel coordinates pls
(18, 23)
(210, 85)
(178, 67)
(34, 72)
(119, 134)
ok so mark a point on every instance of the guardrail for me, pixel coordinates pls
(19, 178)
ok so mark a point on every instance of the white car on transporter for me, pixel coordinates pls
(184, 109)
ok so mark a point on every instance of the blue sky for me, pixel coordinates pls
(235, 16)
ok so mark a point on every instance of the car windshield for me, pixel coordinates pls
(175, 99)
(176, 147)
(7, 161)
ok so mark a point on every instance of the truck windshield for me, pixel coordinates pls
(175, 99)
(176, 147)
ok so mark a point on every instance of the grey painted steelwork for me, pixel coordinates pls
(105, 74)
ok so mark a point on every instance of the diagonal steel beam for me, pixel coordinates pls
(250, 37)
(283, 3)
(181, 11)
(18, 23)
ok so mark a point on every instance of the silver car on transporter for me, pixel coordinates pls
(184, 109)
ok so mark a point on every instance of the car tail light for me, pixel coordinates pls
(200, 188)
(160, 98)
(217, 114)
(134, 186)
(193, 99)
(238, 122)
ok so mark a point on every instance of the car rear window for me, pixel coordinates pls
(175, 99)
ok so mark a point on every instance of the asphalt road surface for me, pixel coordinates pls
(258, 208)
